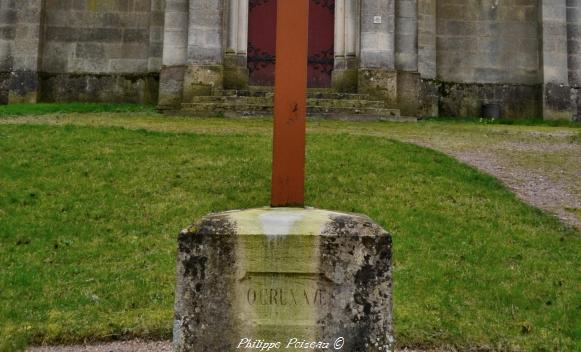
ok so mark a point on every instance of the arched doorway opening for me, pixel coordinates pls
(262, 42)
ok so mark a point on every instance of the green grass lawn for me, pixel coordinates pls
(50, 108)
(504, 121)
(89, 218)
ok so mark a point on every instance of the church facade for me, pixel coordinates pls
(423, 57)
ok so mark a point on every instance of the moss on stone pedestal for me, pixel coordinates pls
(274, 274)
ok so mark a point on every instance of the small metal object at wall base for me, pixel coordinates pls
(491, 111)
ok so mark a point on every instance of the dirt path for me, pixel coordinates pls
(530, 185)
(123, 346)
(541, 168)
(131, 346)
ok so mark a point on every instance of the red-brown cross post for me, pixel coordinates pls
(288, 163)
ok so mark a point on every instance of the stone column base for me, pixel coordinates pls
(344, 78)
(202, 80)
(4, 82)
(292, 276)
(171, 86)
(379, 83)
(236, 75)
(428, 100)
(408, 93)
(557, 102)
(23, 87)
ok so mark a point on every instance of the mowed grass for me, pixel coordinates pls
(12, 110)
(89, 218)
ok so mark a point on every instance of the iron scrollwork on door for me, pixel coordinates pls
(258, 59)
(328, 4)
(261, 58)
(323, 61)
(253, 3)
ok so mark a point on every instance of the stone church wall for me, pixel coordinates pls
(425, 57)
(85, 50)
(7, 35)
(488, 52)
(19, 42)
(574, 54)
(103, 50)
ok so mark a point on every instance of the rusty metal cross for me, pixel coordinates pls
(290, 108)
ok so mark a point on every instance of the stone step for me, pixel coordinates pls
(314, 102)
(346, 103)
(315, 94)
(210, 109)
(338, 96)
(271, 89)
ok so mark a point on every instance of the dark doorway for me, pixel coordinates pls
(262, 42)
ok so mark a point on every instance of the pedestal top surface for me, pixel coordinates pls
(287, 221)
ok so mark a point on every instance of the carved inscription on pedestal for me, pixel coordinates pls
(269, 298)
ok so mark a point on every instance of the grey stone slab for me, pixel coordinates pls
(141, 5)
(106, 35)
(128, 65)
(156, 34)
(8, 4)
(136, 35)
(93, 65)
(156, 18)
(89, 50)
(7, 17)
(7, 33)
(60, 34)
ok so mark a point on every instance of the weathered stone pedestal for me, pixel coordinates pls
(286, 278)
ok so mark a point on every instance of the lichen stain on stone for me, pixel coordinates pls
(215, 224)
(195, 267)
(345, 225)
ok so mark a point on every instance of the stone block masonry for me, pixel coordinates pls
(556, 92)
(487, 41)
(83, 50)
(574, 54)
(423, 57)
(4, 77)
(20, 40)
(290, 276)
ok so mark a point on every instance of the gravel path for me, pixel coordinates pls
(540, 167)
(133, 346)
(122, 346)
(530, 185)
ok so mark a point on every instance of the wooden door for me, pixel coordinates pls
(262, 42)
